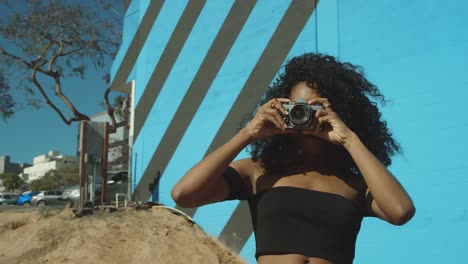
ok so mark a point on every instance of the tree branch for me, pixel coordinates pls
(19, 59)
(54, 58)
(110, 111)
(77, 116)
(51, 42)
(38, 58)
(58, 92)
(26, 63)
(44, 94)
(70, 52)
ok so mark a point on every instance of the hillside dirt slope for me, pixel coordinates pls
(154, 235)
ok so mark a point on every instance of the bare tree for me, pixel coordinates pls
(50, 40)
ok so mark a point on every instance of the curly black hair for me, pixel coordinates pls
(347, 89)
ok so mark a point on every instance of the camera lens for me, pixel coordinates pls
(299, 115)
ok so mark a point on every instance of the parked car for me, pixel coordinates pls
(6, 196)
(117, 183)
(48, 198)
(71, 194)
(11, 200)
(26, 197)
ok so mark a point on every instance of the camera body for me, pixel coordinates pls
(301, 115)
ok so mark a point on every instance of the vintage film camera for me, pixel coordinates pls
(301, 115)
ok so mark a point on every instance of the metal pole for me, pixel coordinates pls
(93, 185)
(129, 169)
(104, 163)
(83, 173)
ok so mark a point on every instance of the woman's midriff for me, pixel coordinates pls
(290, 258)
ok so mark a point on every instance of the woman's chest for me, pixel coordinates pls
(349, 188)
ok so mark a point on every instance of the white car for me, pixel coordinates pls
(117, 183)
(71, 194)
(52, 197)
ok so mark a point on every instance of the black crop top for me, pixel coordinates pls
(300, 221)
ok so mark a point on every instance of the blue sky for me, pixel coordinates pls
(32, 132)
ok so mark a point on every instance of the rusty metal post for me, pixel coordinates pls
(83, 171)
(105, 152)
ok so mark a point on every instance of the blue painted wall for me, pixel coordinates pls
(414, 51)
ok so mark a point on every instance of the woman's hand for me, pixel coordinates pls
(327, 124)
(268, 121)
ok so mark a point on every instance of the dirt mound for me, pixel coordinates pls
(155, 235)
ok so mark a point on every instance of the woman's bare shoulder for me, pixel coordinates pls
(248, 167)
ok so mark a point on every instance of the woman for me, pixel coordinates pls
(308, 189)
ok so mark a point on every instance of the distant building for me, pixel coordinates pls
(7, 166)
(44, 163)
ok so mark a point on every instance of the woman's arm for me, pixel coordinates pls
(205, 182)
(390, 200)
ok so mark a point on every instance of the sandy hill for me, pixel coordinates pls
(154, 235)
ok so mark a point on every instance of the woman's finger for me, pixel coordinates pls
(283, 100)
(320, 123)
(321, 112)
(323, 120)
(277, 103)
(273, 120)
(319, 100)
(278, 117)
